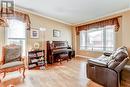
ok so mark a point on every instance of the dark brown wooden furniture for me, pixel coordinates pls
(36, 59)
(57, 48)
(63, 57)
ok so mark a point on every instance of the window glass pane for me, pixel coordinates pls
(95, 39)
(83, 41)
(110, 38)
(16, 29)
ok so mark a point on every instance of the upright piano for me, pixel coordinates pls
(55, 48)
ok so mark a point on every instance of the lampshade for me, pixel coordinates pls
(42, 29)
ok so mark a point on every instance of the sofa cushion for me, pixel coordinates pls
(121, 49)
(112, 64)
(111, 61)
(11, 64)
(100, 61)
(120, 56)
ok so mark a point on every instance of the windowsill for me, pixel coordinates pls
(90, 50)
(95, 51)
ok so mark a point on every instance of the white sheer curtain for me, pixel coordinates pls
(16, 34)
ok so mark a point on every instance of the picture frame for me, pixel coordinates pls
(56, 33)
(34, 33)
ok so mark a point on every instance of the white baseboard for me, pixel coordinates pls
(83, 56)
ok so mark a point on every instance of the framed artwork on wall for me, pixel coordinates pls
(56, 33)
(34, 33)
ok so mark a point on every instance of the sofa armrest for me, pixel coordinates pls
(121, 65)
(102, 75)
(107, 54)
(97, 62)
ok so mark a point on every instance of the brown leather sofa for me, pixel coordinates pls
(106, 69)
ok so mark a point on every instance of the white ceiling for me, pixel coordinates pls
(73, 11)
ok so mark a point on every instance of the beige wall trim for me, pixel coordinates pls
(83, 56)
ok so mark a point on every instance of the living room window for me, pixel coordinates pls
(101, 39)
(16, 34)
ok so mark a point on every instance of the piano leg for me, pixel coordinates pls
(52, 59)
(69, 53)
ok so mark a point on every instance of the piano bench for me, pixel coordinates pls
(63, 57)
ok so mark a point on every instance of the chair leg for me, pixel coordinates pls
(60, 61)
(0, 80)
(4, 75)
(24, 72)
(19, 70)
(67, 59)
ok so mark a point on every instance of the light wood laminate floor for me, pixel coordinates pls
(67, 74)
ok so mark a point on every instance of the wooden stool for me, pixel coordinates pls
(64, 57)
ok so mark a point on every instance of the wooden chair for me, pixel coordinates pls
(11, 60)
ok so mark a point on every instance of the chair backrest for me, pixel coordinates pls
(11, 53)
